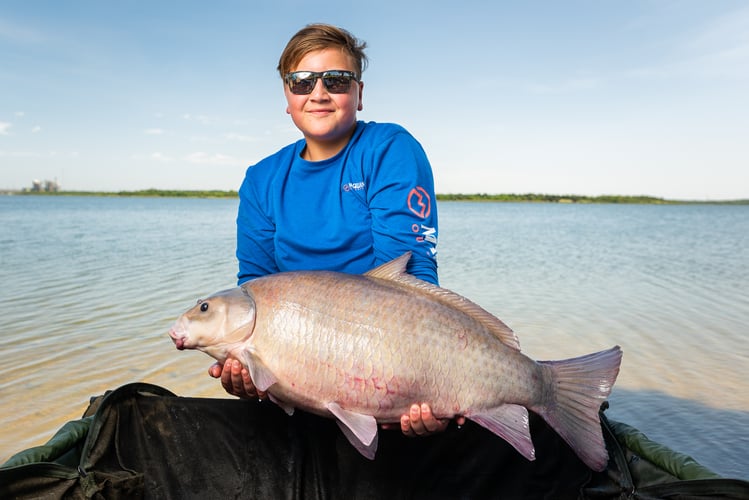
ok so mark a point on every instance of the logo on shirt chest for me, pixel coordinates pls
(353, 186)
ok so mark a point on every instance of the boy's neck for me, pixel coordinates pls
(317, 150)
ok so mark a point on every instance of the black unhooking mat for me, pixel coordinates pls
(142, 441)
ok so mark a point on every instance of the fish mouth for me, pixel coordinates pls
(179, 340)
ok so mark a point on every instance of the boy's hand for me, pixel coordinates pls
(235, 379)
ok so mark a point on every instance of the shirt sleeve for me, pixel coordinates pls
(255, 230)
(403, 205)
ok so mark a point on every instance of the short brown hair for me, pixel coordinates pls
(315, 37)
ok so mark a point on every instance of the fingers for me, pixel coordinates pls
(249, 386)
(236, 380)
(419, 421)
(431, 423)
(215, 370)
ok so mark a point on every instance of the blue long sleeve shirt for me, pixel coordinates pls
(365, 206)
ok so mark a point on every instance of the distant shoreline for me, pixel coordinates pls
(507, 198)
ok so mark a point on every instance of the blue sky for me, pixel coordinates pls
(584, 97)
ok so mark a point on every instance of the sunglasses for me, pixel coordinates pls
(335, 81)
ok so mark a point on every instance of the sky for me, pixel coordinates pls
(588, 97)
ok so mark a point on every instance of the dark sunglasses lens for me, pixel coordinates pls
(337, 84)
(302, 85)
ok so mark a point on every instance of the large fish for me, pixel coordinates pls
(363, 348)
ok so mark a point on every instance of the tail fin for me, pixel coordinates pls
(581, 384)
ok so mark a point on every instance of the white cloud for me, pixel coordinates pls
(213, 159)
(233, 136)
(4, 126)
(719, 50)
(154, 131)
(202, 119)
(36, 129)
(161, 157)
(729, 30)
(19, 114)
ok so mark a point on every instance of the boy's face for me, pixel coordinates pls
(327, 120)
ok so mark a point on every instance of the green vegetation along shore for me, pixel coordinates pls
(154, 193)
(574, 198)
(527, 197)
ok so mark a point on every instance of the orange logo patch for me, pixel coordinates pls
(419, 202)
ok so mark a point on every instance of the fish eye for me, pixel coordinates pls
(204, 306)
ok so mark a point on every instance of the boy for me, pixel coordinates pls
(348, 197)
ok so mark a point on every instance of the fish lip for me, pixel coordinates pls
(179, 340)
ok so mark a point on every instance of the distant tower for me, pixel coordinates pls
(51, 186)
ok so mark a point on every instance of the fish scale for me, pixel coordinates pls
(333, 352)
(363, 348)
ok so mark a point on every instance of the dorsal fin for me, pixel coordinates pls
(391, 270)
(395, 270)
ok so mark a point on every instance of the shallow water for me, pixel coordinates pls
(91, 285)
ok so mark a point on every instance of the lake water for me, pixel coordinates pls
(90, 286)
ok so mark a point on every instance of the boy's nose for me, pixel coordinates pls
(319, 89)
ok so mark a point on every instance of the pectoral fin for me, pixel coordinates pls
(359, 429)
(261, 376)
(263, 379)
(510, 422)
